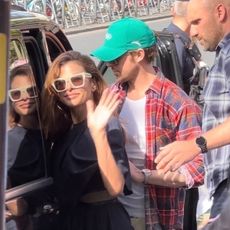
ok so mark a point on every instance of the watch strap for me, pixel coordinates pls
(147, 173)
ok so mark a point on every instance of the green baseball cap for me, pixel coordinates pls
(124, 35)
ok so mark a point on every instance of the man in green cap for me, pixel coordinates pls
(154, 112)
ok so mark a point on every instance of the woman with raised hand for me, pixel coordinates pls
(89, 162)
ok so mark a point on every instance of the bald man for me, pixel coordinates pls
(210, 25)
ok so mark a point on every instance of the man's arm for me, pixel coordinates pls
(173, 155)
(187, 123)
(155, 177)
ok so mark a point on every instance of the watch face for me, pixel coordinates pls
(201, 141)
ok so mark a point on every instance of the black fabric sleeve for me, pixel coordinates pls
(116, 140)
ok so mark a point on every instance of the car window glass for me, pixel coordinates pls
(17, 54)
(54, 45)
(37, 59)
(26, 144)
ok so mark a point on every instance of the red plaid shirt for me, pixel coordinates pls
(170, 115)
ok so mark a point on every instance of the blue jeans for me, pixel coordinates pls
(219, 197)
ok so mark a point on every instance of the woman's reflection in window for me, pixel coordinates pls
(25, 143)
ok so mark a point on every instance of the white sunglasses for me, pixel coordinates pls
(76, 81)
(17, 94)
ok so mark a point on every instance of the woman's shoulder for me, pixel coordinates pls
(16, 131)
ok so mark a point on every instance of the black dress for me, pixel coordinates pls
(76, 173)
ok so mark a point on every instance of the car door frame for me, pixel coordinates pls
(4, 37)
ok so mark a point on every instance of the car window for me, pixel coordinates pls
(55, 47)
(31, 50)
(26, 143)
(34, 43)
(17, 54)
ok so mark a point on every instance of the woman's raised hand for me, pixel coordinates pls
(98, 116)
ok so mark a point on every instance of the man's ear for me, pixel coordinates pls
(221, 12)
(140, 53)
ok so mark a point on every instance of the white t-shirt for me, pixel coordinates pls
(132, 118)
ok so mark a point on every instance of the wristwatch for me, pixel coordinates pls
(147, 173)
(202, 144)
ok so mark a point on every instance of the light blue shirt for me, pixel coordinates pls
(216, 110)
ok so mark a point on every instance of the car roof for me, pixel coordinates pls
(19, 17)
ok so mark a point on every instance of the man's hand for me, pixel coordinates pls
(173, 155)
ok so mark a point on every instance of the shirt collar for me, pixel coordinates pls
(178, 32)
(223, 43)
(157, 84)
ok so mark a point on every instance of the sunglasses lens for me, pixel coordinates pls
(60, 85)
(32, 91)
(77, 80)
(15, 95)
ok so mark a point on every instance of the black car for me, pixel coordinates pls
(38, 41)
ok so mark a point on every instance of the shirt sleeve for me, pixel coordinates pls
(117, 143)
(180, 48)
(189, 126)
